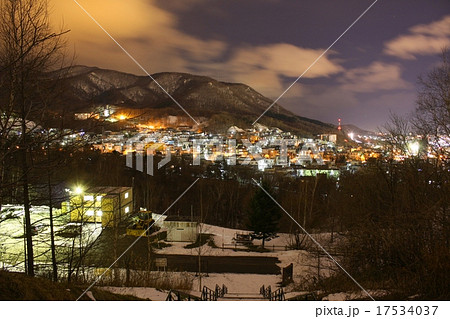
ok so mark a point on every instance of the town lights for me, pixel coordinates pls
(413, 148)
(122, 117)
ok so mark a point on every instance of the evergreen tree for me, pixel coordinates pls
(264, 215)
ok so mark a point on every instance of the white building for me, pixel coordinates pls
(181, 229)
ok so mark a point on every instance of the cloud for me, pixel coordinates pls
(284, 59)
(266, 67)
(423, 39)
(153, 37)
(362, 95)
(148, 32)
(376, 76)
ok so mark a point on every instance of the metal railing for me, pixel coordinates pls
(277, 295)
(212, 295)
(208, 294)
(221, 291)
(265, 292)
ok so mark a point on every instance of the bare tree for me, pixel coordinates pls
(28, 48)
(432, 114)
(398, 128)
(396, 213)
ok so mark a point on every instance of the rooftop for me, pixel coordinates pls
(108, 189)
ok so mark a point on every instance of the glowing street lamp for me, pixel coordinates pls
(78, 190)
(413, 148)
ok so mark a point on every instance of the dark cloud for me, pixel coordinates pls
(267, 45)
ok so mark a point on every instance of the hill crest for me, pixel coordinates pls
(219, 104)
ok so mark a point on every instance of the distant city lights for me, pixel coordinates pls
(413, 148)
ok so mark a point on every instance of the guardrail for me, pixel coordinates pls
(265, 292)
(208, 294)
(277, 295)
(212, 295)
(221, 291)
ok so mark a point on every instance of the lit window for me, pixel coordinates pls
(126, 195)
(99, 198)
(99, 213)
(88, 197)
(127, 209)
(90, 213)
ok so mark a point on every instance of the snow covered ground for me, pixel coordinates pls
(342, 296)
(305, 263)
(12, 231)
(236, 283)
(140, 292)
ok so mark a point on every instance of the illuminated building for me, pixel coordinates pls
(106, 205)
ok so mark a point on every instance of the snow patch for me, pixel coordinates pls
(90, 295)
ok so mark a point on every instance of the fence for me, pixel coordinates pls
(221, 291)
(243, 247)
(212, 295)
(277, 295)
(208, 294)
(265, 292)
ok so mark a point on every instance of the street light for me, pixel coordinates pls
(414, 148)
(78, 190)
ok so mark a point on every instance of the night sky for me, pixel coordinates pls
(371, 70)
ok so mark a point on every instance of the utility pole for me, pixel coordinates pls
(200, 241)
(25, 245)
(50, 205)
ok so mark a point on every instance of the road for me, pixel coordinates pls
(223, 264)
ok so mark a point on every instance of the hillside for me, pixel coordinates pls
(217, 105)
(350, 128)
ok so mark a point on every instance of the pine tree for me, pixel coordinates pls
(264, 215)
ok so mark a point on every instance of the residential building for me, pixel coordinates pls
(105, 204)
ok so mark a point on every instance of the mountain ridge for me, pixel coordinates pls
(220, 104)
